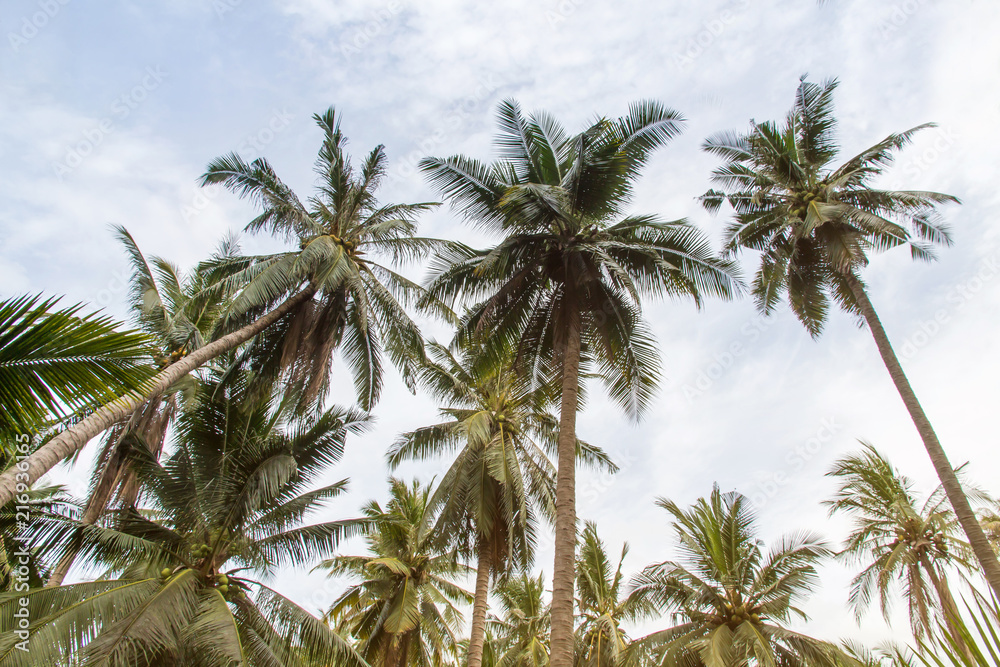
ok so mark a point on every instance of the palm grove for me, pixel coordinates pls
(214, 425)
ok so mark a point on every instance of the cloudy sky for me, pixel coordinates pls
(110, 111)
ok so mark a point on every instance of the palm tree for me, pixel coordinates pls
(898, 540)
(814, 226)
(565, 282)
(733, 599)
(178, 312)
(604, 606)
(522, 632)
(403, 611)
(329, 292)
(500, 476)
(187, 568)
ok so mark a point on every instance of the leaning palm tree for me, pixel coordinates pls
(188, 567)
(814, 225)
(501, 476)
(403, 611)
(604, 605)
(733, 599)
(522, 631)
(334, 290)
(179, 313)
(563, 287)
(897, 539)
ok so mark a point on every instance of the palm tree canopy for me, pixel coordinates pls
(187, 568)
(732, 597)
(604, 605)
(344, 238)
(404, 610)
(814, 222)
(895, 536)
(56, 362)
(569, 257)
(521, 631)
(502, 433)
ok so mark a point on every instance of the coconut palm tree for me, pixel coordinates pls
(522, 632)
(333, 290)
(815, 223)
(500, 477)
(897, 539)
(604, 605)
(179, 312)
(403, 611)
(563, 287)
(187, 567)
(732, 598)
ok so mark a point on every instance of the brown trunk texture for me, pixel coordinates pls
(564, 571)
(479, 606)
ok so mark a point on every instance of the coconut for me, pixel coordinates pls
(223, 589)
(165, 572)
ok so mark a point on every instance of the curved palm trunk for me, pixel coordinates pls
(477, 638)
(564, 574)
(949, 480)
(73, 439)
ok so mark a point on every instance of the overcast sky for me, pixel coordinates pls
(110, 111)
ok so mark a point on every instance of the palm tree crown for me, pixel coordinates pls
(897, 539)
(813, 222)
(343, 233)
(733, 598)
(403, 611)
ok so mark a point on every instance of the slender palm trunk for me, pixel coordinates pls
(564, 574)
(72, 440)
(478, 637)
(949, 480)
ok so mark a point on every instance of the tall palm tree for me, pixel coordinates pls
(522, 632)
(897, 539)
(563, 287)
(188, 566)
(501, 476)
(330, 291)
(733, 599)
(403, 611)
(604, 605)
(179, 313)
(814, 225)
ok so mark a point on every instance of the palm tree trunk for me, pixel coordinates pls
(478, 636)
(72, 440)
(564, 570)
(949, 480)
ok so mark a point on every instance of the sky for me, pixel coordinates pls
(110, 111)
